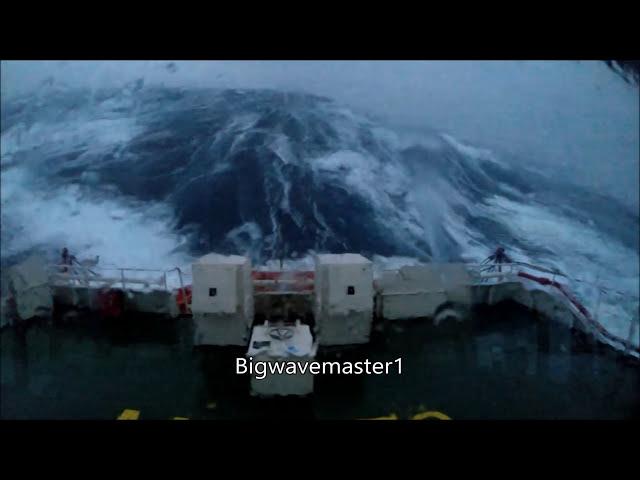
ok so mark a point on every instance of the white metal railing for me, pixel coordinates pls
(81, 276)
(481, 272)
(492, 271)
(486, 273)
(75, 275)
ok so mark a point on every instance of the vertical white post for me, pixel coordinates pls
(597, 314)
(599, 295)
(632, 328)
(184, 293)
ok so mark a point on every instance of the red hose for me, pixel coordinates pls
(579, 306)
(184, 306)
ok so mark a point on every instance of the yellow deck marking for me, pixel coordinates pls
(393, 416)
(180, 418)
(425, 415)
(129, 414)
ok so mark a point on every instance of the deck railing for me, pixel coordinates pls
(483, 274)
(123, 277)
(302, 283)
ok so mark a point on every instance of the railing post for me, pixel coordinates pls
(122, 276)
(596, 313)
(632, 327)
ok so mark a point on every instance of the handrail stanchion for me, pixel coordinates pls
(596, 315)
(632, 326)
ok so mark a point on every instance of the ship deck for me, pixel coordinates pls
(503, 362)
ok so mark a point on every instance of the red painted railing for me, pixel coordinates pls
(291, 281)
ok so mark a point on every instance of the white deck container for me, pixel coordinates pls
(222, 300)
(343, 299)
(419, 291)
(28, 283)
